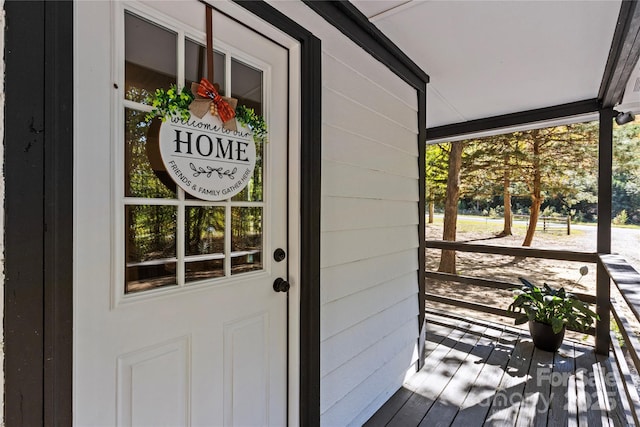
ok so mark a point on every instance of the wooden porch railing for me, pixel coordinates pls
(524, 252)
(620, 273)
(627, 280)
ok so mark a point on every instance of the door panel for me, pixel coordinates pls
(175, 318)
(153, 385)
(246, 367)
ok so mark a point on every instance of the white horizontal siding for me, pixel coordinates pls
(369, 213)
(354, 372)
(356, 339)
(389, 376)
(388, 388)
(345, 279)
(352, 84)
(337, 45)
(369, 226)
(345, 113)
(349, 311)
(345, 213)
(342, 146)
(338, 247)
(348, 181)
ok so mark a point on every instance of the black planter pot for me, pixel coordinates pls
(544, 338)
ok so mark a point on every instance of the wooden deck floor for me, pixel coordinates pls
(482, 374)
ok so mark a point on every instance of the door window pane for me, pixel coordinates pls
(150, 58)
(203, 270)
(246, 86)
(253, 191)
(204, 250)
(150, 247)
(204, 230)
(195, 65)
(246, 239)
(145, 174)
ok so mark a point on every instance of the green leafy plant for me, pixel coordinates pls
(255, 122)
(170, 102)
(176, 102)
(555, 307)
(621, 218)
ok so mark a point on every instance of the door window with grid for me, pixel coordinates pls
(172, 239)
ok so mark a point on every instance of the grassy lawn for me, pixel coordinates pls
(479, 224)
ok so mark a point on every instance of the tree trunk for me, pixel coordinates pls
(533, 220)
(507, 205)
(431, 207)
(536, 193)
(448, 258)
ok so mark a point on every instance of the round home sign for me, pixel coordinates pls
(206, 160)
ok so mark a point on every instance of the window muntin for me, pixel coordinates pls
(173, 240)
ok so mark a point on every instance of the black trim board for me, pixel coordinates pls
(311, 160)
(352, 23)
(38, 212)
(58, 213)
(605, 174)
(422, 206)
(513, 119)
(310, 187)
(623, 54)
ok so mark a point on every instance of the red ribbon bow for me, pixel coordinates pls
(207, 90)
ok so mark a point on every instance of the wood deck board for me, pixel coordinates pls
(481, 374)
(535, 401)
(390, 408)
(400, 400)
(563, 409)
(478, 400)
(429, 389)
(589, 412)
(508, 397)
(452, 397)
(437, 335)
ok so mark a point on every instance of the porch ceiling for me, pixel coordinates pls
(488, 58)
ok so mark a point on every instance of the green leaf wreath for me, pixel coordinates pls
(175, 102)
(167, 103)
(255, 122)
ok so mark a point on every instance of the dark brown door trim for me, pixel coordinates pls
(38, 212)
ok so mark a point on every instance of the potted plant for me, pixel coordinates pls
(549, 312)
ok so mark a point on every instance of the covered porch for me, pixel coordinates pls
(476, 372)
(494, 67)
(487, 373)
(483, 373)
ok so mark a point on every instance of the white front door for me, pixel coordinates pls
(176, 321)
